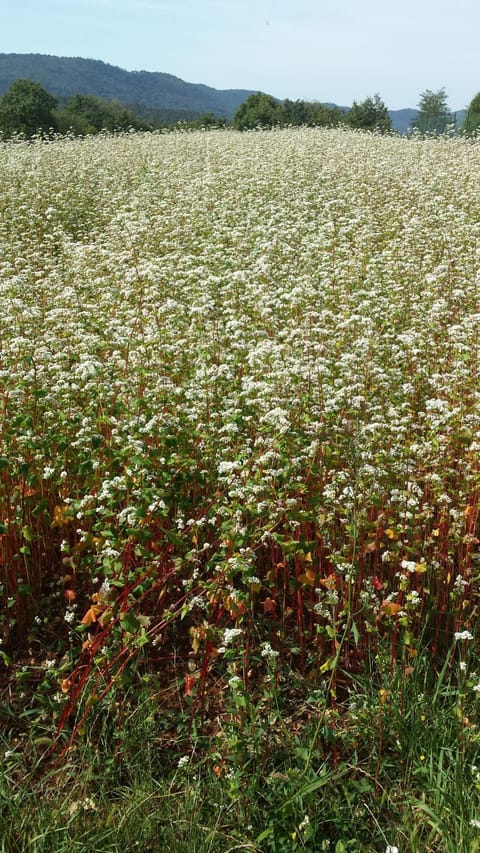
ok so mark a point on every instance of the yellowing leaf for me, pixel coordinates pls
(384, 694)
(62, 514)
(420, 568)
(197, 634)
(329, 664)
(307, 577)
(391, 533)
(106, 617)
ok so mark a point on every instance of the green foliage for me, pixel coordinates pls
(311, 113)
(472, 119)
(26, 109)
(434, 115)
(370, 114)
(88, 114)
(262, 110)
(259, 110)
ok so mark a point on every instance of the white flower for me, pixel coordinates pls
(183, 761)
(463, 635)
(268, 652)
(230, 634)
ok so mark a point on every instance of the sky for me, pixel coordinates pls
(325, 50)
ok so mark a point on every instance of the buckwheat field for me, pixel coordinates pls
(239, 440)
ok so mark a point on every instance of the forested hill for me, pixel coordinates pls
(65, 76)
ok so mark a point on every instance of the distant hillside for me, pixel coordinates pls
(64, 76)
(402, 119)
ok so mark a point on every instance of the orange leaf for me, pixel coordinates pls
(269, 606)
(329, 582)
(307, 577)
(91, 614)
(189, 684)
(390, 608)
(235, 608)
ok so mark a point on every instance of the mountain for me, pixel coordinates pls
(402, 119)
(66, 76)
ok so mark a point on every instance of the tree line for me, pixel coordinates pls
(28, 109)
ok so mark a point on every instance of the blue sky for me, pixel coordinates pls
(327, 50)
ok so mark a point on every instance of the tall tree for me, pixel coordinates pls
(26, 108)
(370, 114)
(434, 115)
(472, 119)
(259, 110)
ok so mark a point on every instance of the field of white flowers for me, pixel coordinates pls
(239, 391)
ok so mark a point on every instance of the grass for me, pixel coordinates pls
(395, 767)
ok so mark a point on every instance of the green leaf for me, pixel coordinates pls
(129, 623)
(27, 534)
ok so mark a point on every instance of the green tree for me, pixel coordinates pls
(88, 114)
(295, 113)
(370, 114)
(325, 116)
(472, 119)
(26, 108)
(259, 110)
(434, 115)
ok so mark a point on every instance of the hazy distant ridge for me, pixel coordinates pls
(65, 76)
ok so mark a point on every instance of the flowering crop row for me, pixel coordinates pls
(239, 392)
